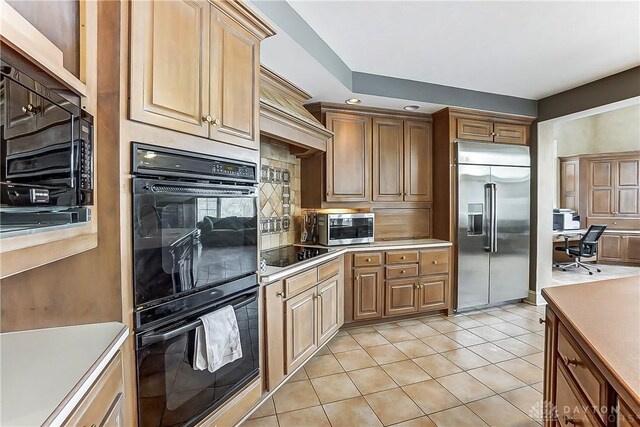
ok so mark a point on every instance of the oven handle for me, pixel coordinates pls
(156, 338)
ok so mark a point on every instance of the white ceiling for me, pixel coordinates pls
(528, 49)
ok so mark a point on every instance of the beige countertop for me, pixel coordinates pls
(273, 274)
(46, 372)
(606, 315)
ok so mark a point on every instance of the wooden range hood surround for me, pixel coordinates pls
(284, 118)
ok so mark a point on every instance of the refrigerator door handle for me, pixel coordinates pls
(491, 238)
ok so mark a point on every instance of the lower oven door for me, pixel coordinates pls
(170, 391)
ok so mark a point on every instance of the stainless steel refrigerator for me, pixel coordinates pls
(493, 223)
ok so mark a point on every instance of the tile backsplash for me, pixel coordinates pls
(279, 195)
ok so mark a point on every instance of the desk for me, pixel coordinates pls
(558, 240)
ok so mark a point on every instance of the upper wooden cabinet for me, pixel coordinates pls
(569, 183)
(348, 158)
(490, 131)
(195, 68)
(375, 158)
(613, 186)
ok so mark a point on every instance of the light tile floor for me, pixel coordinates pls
(473, 369)
(574, 275)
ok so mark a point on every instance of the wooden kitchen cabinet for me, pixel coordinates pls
(418, 159)
(301, 314)
(401, 297)
(614, 188)
(570, 183)
(367, 292)
(348, 154)
(619, 248)
(388, 160)
(102, 405)
(433, 293)
(490, 131)
(213, 93)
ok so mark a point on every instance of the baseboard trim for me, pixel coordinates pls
(535, 298)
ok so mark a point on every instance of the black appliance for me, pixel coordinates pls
(46, 154)
(195, 251)
(292, 254)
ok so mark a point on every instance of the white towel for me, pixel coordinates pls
(217, 341)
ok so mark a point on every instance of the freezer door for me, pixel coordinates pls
(473, 259)
(509, 264)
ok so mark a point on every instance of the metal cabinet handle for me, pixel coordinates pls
(368, 259)
(417, 286)
(435, 262)
(541, 321)
(29, 108)
(568, 420)
(280, 294)
(207, 119)
(569, 362)
(216, 122)
(403, 257)
(403, 271)
(358, 277)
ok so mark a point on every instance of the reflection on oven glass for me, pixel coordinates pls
(171, 392)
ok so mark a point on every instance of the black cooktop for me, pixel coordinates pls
(288, 255)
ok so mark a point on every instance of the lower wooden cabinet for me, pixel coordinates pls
(301, 316)
(367, 292)
(619, 248)
(299, 319)
(103, 404)
(403, 282)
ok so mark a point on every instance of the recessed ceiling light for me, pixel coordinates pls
(412, 107)
(353, 101)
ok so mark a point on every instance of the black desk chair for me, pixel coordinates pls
(587, 247)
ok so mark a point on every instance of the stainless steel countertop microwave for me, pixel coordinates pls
(345, 228)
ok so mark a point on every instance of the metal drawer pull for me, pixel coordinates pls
(435, 261)
(403, 257)
(541, 321)
(403, 271)
(570, 362)
(280, 294)
(368, 259)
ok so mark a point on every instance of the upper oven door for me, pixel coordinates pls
(188, 236)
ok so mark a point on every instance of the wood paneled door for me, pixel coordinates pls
(601, 191)
(169, 83)
(610, 248)
(401, 297)
(235, 70)
(328, 316)
(348, 158)
(614, 188)
(569, 184)
(367, 292)
(301, 328)
(627, 187)
(418, 167)
(489, 131)
(388, 160)
(433, 292)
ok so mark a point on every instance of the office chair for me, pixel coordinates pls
(587, 247)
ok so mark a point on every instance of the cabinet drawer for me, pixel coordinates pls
(298, 283)
(329, 269)
(367, 259)
(615, 223)
(571, 409)
(402, 257)
(434, 261)
(95, 407)
(398, 271)
(587, 377)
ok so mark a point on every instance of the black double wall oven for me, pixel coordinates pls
(195, 251)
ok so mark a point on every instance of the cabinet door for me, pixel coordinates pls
(601, 188)
(433, 293)
(475, 130)
(274, 334)
(569, 197)
(401, 297)
(115, 416)
(328, 309)
(417, 162)
(511, 134)
(388, 159)
(235, 65)
(20, 110)
(169, 75)
(631, 247)
(367, 293)
(348, 158)
(627, 187)
(610, 248)
(550, 351)
(302, 328)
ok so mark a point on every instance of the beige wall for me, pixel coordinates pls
(613, 131)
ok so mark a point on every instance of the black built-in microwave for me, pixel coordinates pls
(46, 164)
